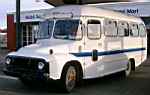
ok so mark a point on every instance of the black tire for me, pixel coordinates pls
(128, 70)
(69, 78)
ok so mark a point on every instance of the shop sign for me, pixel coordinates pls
(129, 11)
(30, 17)
(132, 8)
(33, 16)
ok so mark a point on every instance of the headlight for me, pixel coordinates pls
(40, 65)
(8, 61)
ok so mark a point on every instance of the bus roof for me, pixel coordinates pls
(85, 10)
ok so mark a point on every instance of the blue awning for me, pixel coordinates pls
(62, 2)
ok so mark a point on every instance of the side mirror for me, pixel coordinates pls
(94, 55)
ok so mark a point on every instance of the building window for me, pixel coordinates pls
(29, 33)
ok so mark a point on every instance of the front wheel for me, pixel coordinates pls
(69, 78)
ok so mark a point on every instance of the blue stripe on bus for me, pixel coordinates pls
(86, 54)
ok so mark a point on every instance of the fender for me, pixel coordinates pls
(58, 61)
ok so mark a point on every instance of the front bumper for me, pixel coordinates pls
(27, 68)
(39, 75)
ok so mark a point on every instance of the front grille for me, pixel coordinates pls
(26, 64)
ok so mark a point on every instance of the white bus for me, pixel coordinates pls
(80, 42)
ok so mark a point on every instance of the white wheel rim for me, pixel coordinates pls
(70, 78)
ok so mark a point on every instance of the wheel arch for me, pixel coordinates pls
(132, 60)
(78, 67)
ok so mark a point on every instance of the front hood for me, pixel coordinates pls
(41, 49)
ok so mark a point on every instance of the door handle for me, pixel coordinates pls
(84, 43)
(94, 55)
(80, 48)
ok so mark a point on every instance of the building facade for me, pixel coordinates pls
(29, 27)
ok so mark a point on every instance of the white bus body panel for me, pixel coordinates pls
(113, 52)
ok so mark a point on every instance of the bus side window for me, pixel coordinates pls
(142, 30)
(110, 28)
(93, 29)
(126, 31)
(123, 29)
(134, 30)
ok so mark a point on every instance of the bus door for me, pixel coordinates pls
(76, 45)
(113, 44)
(91, 47)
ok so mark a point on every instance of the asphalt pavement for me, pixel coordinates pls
(3, 53)
(136, 84)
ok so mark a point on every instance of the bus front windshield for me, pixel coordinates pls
(66, 29)
(45, 29)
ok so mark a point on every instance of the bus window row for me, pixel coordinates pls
(124, 29)
(114, 28)
(72, 29)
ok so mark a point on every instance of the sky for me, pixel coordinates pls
(7, 6)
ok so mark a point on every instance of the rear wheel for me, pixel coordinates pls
(69, 78)
(128, 69)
